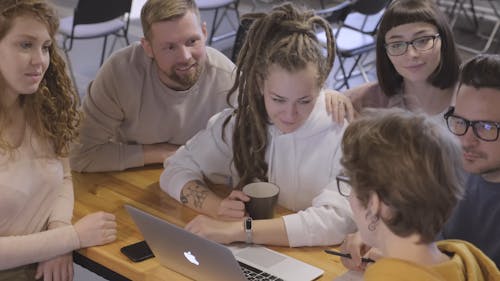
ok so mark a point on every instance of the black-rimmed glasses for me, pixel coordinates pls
(423, 43)
(484, 130)
(344, 186)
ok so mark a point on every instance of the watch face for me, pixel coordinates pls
(248, 224)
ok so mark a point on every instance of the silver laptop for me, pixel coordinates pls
(202, 259)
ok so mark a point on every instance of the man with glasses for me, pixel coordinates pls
(475, 119)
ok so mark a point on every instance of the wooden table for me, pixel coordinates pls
(139, 187)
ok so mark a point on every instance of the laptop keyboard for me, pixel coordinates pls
(252, 273)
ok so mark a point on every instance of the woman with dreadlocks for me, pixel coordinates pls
(280, 133)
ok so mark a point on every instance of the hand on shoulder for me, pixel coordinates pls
(339, 106)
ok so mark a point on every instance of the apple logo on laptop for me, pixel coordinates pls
(191, 258)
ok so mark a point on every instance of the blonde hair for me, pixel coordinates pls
(286, 37)
(164, 10)
(411, 162)
(52, 110)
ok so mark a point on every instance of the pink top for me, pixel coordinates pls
(35, 189)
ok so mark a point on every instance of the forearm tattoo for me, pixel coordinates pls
(195, 193)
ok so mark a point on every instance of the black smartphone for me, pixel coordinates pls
(138, 251)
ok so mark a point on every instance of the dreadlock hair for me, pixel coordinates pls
(52, 110)
(286, 36)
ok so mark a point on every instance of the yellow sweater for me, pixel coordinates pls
(467, 263)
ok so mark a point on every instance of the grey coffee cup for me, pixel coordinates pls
(263, 198)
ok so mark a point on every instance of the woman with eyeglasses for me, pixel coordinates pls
(417, 62)
(401, 195)
(475, 120)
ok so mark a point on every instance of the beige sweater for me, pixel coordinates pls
(35, 189)
(127, 105)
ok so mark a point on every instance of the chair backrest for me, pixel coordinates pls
(362, 15)
(336, 13)
(96, 11)
(365, 23)
(369, 7)
(365, 15)
(240, 37)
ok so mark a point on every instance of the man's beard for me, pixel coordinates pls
(481, 156)
(185, 81)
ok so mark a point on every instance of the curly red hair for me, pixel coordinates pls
(52, 110)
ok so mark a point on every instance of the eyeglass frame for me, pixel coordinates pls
(412, 43)
(470, 123)
(345, 179)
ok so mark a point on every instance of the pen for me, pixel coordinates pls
(331, 252)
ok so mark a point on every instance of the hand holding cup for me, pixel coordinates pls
(263, 198)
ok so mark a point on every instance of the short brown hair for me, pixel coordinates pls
(164, 10)
(481, 71)
(402, 12)
(411, 162)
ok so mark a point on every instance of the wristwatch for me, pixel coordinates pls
(247, 226)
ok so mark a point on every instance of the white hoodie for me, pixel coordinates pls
(303, 164)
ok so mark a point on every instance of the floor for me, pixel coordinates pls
(82, 274)
(85, 54)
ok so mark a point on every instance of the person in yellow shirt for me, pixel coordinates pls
(403, 177)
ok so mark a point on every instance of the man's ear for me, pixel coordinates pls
(146, 45)
(204, 30)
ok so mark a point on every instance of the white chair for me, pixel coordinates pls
(94, 19)
(222, 8)
(355, 24)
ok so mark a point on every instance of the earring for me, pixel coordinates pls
(373, 221)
